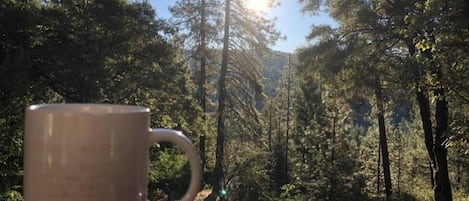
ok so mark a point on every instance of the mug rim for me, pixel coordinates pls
(88, 108)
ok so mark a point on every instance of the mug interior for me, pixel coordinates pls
(89, 108)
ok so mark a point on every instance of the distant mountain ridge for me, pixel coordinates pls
(273, 65)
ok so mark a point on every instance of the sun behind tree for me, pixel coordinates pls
(257, 5)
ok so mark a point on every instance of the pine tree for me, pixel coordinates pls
(200, 19)
(239, 85)
(422, 30)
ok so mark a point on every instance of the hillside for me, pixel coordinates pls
(274, 63)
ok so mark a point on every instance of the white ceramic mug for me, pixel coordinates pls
(94, 152)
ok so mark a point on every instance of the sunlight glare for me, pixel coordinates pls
(257, 5)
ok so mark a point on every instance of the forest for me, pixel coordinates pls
(375, 108)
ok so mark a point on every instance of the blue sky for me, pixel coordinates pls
(291, 22)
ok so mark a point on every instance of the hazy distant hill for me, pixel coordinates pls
(274, 64)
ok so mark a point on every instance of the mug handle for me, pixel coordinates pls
(176, 137)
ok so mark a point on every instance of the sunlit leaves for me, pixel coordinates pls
(412, 45)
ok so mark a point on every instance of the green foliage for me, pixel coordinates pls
(16, 29)
(102, 51)
(169, 173)
(12, 196)
(247, 170)
(290, 193)
(169, 164)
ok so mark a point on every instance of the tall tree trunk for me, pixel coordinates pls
(425, 115)
(442, 184)
(280, 156)
(219, 172)
(424, 107)
(202, 81)
(303, 146)
(332, 168)
(382, 139)
(288, 122)
(378, 174)
(438, 152)
(270, 129)
(399, 165)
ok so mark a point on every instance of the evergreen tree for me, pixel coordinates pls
(101, 51)
(199, 22)
(246, 37)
